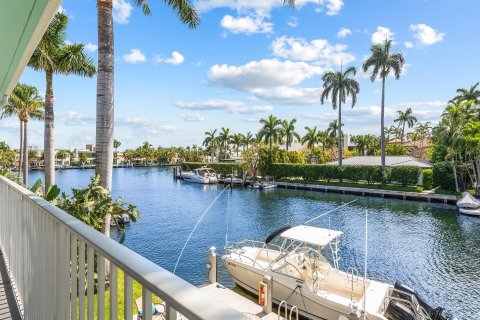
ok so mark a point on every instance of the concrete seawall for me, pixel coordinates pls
(416, 196)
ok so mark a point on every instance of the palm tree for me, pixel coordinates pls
(105, 93)
(311, 138)
(340, 85)
(116, 144)
(406, 117)
(54, 56)
(361, 143)
(472, 94)
(333, 129)
(383, 63)
(224, 138)
(271, 131)
(325, 139)
(210, 142)
(7, 111)
(248, 139)
(237, 141)
(423, 131)
(288, 132)
(27, 103)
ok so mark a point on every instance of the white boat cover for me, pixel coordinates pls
(312, 235)
(467, 201)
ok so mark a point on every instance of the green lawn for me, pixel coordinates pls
(358, 185)
(137, 293)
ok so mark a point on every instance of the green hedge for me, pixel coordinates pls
(327, 172)
(405, 175)
(219, 167)
(443, 175)
(427, 179)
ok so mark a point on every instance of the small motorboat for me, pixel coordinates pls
(304, 278)
(233, 180)
(469, 205)
(204, 175)
(263, 185)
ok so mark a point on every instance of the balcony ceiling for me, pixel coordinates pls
(22, 24)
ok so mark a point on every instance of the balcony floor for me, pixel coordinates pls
(8, 304)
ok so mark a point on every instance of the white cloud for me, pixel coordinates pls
(382, 34)
(90, 47)
(192, 117)
(264, 7)
(73, 118)
(289, 95)
(248, 25)
(135, 56)
(145, 125)
(426, 35)
(292, 22)
(121, 11)
(343, 33)
(232, 106)
(175, 59)
(267, 73)
(319, 50)
(252, 15)
(424, 104)
(408, 44)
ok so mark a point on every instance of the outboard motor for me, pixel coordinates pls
(398, 310)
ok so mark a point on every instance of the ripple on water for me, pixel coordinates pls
(425, 246)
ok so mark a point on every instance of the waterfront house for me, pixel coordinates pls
(47, 257)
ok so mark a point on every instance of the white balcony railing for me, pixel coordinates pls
(44, 247)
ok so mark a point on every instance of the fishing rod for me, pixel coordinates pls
(330, 211)
(195, 227)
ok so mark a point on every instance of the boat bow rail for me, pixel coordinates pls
(48, 250)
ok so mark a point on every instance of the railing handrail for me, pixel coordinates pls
(181, 295)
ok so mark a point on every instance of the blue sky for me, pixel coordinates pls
(249, 59)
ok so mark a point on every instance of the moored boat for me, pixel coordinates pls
(469, 205)
(304, 278)
(204, 175)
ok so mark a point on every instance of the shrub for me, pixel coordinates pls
(396, 150)
(427, 176)
(405, 175)
(373, 173)
(354, 173)
(443, 175)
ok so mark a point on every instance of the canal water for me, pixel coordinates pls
(426, 246)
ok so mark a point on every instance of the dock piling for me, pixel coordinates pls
(267, 308)
(212, 266)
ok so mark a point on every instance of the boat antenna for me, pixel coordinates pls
(228, 210)
(330, 211)
(195, 227)
(365, 266)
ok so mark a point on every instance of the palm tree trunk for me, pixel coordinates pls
(105, 105)
(48, 138)
(20, 152)
(25, 154)
(454, 167)
(403, 132)
(382, 133)
(212, 153)
(340, 133)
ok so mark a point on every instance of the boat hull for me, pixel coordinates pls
(470, 212)
(309, 304)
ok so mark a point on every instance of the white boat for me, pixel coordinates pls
(319, 289)
(202, 175)
(469, 205)
(235, 180)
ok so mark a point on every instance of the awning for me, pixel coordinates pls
(311, 235)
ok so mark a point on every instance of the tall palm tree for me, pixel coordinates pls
(26, 102)
(248, 139)
(224, 138)
(361, 143)
(210, 142)
(423, 131)
(105, 106)
(271, 131)
(10, 110)
(237, 141)
(116, 144)
(288, 132)
(54, 56)
(383, 62)
(407, 118)
(472, 94)
(325, 139)
(339, 85)
(333, 129)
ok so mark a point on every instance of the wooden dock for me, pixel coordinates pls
(416, 196)
(238, 302)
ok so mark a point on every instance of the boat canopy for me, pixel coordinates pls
(312, 235)
(467, 201)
